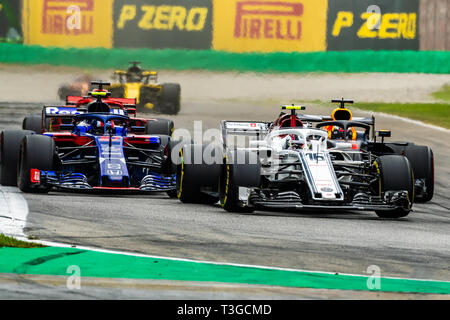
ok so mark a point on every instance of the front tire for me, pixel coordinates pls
(10, 141)
(396, 174)
(195, 174)
(422, 162)
(235, 175)
(36, 152)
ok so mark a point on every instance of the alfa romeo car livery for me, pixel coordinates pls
(292, 164)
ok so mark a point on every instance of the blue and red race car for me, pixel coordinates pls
(90, 144)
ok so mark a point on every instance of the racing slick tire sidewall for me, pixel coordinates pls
(194, 175)
(235, 175)
(65, 91)
(422, 162)
(396, 174)
(174, 148)
(159, 127)
(36, 152)
(10, 141)
(33, 122)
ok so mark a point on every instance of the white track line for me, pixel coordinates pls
(13, 212)
(55, 244)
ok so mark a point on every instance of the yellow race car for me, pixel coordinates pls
(142, 85)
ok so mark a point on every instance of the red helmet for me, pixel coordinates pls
(288, 121)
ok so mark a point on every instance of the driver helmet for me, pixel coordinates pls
(341, 114)
(134, 74)
(97, 127)
(284, 121)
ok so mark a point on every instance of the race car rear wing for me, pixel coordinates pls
(70, 111)
(73, 100)
(318, 118)
(257, 129)
(66, 113)
(313, 118)
(114, 103)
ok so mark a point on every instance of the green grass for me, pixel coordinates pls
(6, 241)
(443, 93)
(433, 113)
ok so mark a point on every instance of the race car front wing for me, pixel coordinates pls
(79, 182)
(291, 201)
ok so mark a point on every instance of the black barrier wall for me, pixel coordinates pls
(10, 22)
(161, 24)
(373, 24)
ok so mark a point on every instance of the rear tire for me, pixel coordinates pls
(33, 123)
(396, 174)
(10, 141)
(169, 99)
(422, 162)
(195, 173)
(66, 90)
(36, 152)
(159, 127)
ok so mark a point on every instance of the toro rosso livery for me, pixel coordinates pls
(94, 147)
(102, 152)
(289, 164)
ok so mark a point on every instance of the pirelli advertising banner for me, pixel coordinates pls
(163, 24)
(373, 25)
(269, 25)
(68, 23)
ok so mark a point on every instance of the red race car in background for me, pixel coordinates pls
(59, 118)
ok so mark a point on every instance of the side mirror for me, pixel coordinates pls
(384, 133)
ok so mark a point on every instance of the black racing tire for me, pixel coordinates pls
(36, 152)
(174, 148)
(117, 91)
(10, 141)
(235, 175)
(422, 162)
(159, 127)
(66, 90)
(195, 172)
(33, 122)
(169, 98)
(396, 174)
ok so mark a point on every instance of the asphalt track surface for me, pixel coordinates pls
(417, 246)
